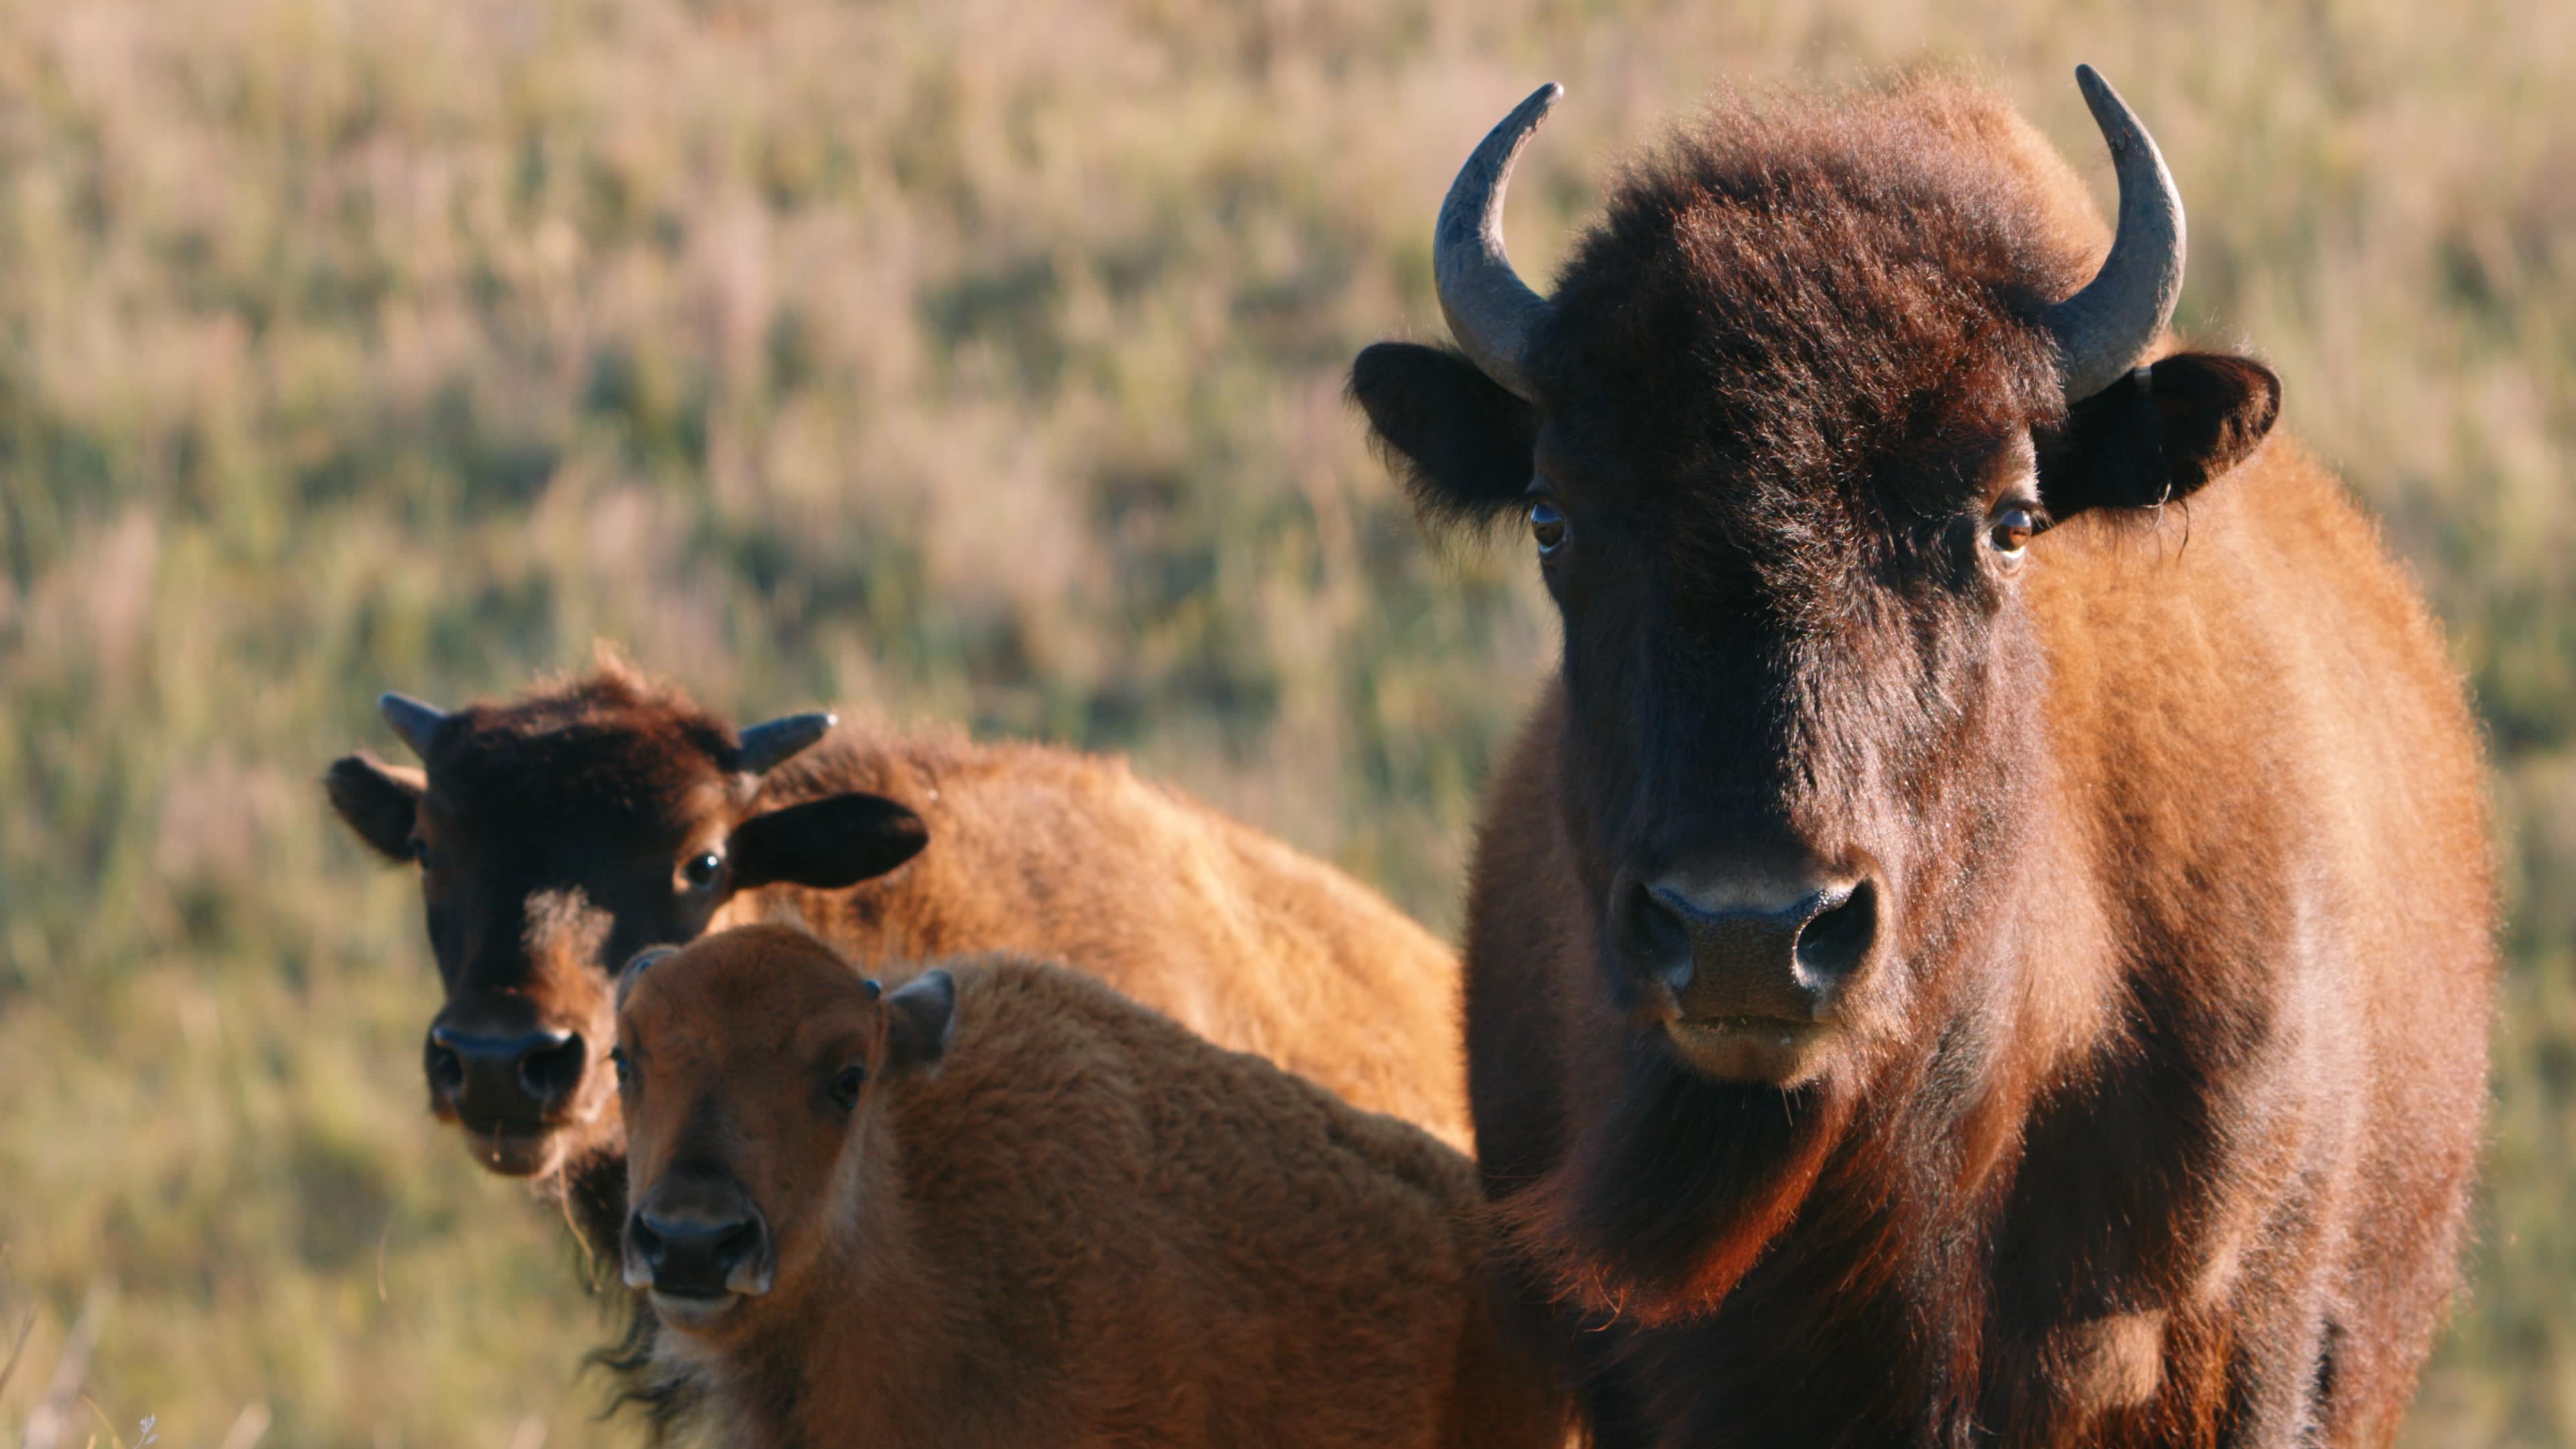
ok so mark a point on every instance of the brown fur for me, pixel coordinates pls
(2152, 1118)
(1076, 1224)
(556, 823)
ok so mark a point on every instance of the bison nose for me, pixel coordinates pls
(1740, 944)
(513, 1078)
(687, 1255)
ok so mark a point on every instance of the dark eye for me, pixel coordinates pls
(1547, 525)
(625, 1073)
(701, 870)
(2011, 529)
(419, 850)
(845, 1087)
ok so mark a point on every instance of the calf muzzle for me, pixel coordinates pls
(516, 1079)
(697, 1247)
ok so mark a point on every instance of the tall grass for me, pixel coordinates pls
(977, 361)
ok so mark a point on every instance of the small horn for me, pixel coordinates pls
(1491, 311)
(2104, 329)
(416, 722)
(767, 746)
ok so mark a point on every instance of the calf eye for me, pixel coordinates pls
(700, 871)
(625, 1073)
(2011, 530)
(1547, 525)
(845, 1087)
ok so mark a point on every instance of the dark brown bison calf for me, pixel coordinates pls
(1003, 1205)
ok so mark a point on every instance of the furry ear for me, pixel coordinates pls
(641, 962)
(1461, 441)
(920, 1014)
(2163, 433)
(380, 802)
(827, 844)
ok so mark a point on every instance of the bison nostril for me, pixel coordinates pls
(735, 1246)
(553, 1072)
(648, 1243)
(447, 1070)
(1834, 940)
(1656, 935)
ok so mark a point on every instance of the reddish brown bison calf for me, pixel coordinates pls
(1002, 1205)
(1987, 935)
(558, 835)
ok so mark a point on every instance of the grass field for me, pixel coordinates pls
(968, 362)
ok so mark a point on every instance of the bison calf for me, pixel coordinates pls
(1004, 1205)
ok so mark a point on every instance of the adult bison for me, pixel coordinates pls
(1987, 936)
(560, 833)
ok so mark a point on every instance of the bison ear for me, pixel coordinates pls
(830, 843)
(642, 961)
(381, 802)
(920, 1014)
(2164, 432)
(1461, 441)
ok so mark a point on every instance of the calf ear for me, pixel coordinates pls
(2162, 433)
(642, 961)
(836, 841)
(381, 802)
(919, 1016)
(1461, 441)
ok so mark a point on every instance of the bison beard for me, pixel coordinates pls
(1668, 1197)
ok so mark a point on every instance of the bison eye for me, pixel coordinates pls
(625, 1072)
(845, 1087)
(1547, 525)
(701, 870)
(2011, 530)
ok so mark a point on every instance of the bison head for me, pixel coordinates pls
(1787, 440)
(557, 836)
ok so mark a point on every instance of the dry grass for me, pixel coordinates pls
(972, 361)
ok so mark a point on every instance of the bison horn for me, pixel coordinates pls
(2104, 329)
(767, 746)
(1490, 310)
(416, 722)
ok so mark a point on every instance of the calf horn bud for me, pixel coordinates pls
(764, 747)
(2104, 329)
(417, 723)
(1491, 311)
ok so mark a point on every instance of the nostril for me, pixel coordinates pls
(735, 1246)
(1655, 931)
(554, 1071)
(1834, 940)
(648, 1243)
(447, 1069)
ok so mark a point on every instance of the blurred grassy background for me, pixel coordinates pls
(977, 362)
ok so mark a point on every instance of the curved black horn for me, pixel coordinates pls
(767, 746)
(2104, 329)
(1491, 311)
(416, 722)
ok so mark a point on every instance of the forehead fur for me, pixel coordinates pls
(1811, 314)
(610, 740)
(769, 979)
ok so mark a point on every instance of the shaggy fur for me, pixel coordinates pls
(604, 785)
(1070, 1222)
(2151, 1116)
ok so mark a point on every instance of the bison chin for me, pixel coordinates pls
(1673, 1187)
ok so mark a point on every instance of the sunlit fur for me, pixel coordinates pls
(1080, 1225)
(2153, 1117)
